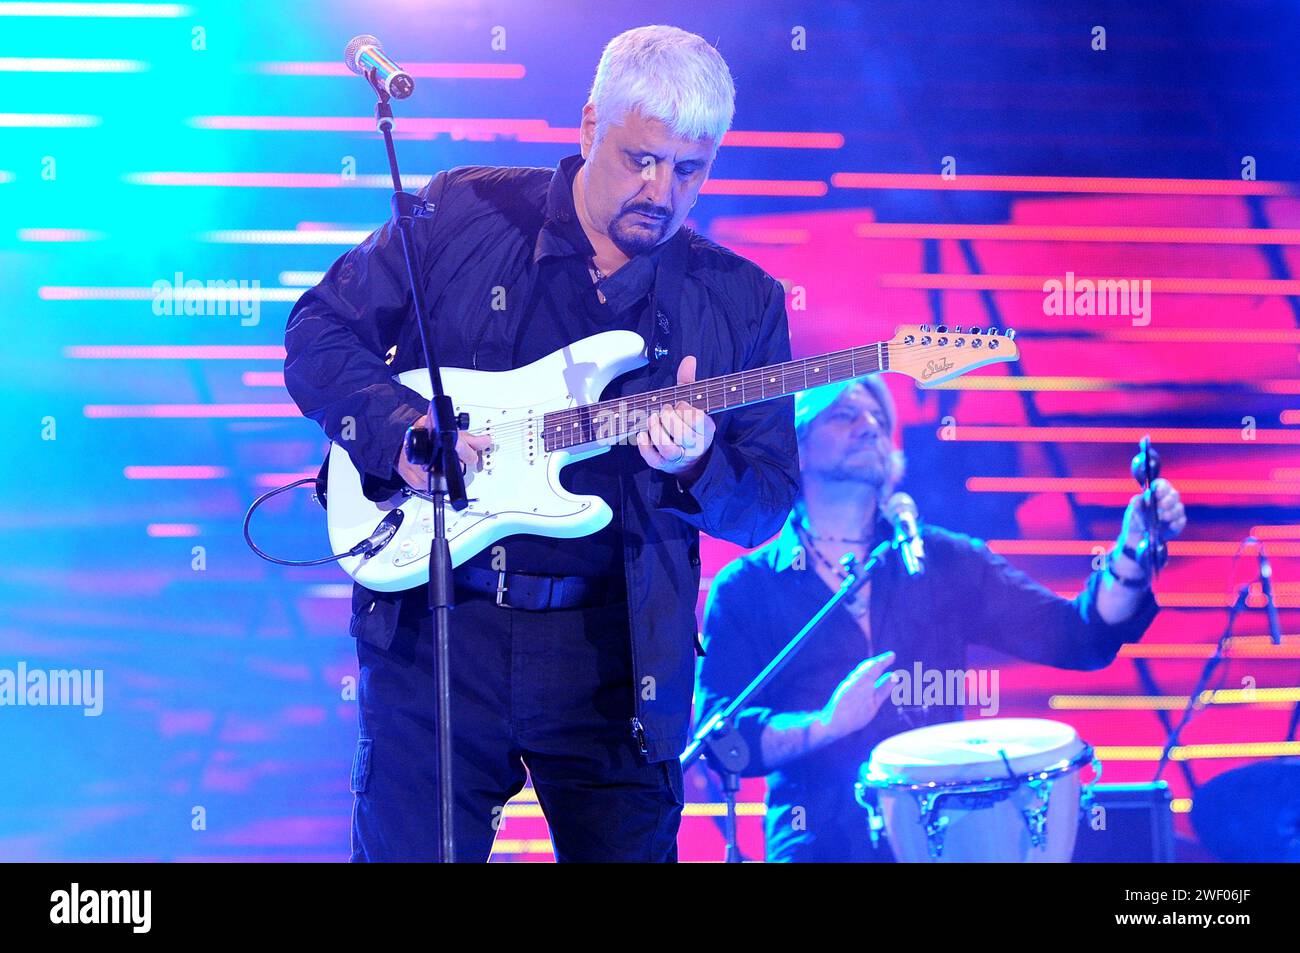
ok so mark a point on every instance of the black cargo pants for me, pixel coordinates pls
(548, 691)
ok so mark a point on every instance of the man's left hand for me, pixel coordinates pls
(1169, 510)
(678, 435)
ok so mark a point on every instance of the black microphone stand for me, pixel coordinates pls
(432, 449)
(718, 739)
(1211, 664)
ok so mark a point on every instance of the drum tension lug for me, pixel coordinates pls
(875, 821)
(1036, 818)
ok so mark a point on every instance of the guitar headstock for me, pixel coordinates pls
(931, 355)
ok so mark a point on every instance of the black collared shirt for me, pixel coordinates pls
(561, 305)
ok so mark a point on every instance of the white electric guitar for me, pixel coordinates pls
(548, 414)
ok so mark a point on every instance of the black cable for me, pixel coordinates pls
(355, 551)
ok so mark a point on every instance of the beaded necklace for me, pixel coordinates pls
(857, 606)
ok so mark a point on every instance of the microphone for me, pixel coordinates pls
(381, 537)
(1270, 607)
(364, 52)
(900, 509)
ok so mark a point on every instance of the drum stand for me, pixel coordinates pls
(717, 738)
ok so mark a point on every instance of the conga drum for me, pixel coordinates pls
(1001, 790)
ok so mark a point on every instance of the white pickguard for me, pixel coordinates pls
(517, 491)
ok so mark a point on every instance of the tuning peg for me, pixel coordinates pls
(925, 329)
(941, 329)
(1010, 333)
(957, 329)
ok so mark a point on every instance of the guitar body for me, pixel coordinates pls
(517, 491)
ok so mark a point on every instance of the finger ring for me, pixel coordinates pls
(680, 457)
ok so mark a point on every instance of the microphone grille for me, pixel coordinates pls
(354, 47)
(899, 504)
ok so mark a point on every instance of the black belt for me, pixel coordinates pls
(521, 590)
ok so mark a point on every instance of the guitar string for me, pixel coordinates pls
(714, 387)
(513, 435)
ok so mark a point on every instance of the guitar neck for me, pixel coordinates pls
(615, 421)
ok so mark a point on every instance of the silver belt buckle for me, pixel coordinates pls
(502, 588)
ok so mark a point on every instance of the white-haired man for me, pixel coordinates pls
(812, 727)
(572, 659)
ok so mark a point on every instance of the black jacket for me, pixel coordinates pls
(485, 228)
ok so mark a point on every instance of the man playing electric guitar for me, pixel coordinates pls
(572, 659)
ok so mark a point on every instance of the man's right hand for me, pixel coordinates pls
(468, 447)
(858, 697)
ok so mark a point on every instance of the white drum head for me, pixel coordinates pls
(969, 750)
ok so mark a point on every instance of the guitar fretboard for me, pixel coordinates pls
(615, 421)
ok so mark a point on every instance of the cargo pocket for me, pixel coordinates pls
(361, 765)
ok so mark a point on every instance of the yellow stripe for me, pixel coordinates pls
(1250, 749)
(1229, 696)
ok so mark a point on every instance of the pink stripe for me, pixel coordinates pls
(172, 529)
(263, 378)
(102, 411)
(786, 187)
(174, 473)
(784, 140)
(58, 235)
(273, 180)
(176, 352)
(75, 293)
(332, 227)
(280, 479)
(427, 126)
(418, 70)
(296, 180)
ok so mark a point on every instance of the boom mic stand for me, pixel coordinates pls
(433, 449)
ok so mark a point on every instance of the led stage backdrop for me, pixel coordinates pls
(890, 166)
